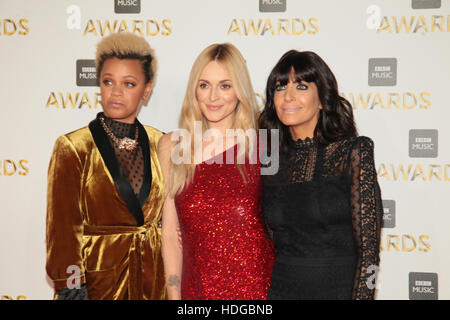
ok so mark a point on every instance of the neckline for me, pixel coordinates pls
(307, 142)
(211, 160)
(120, 129)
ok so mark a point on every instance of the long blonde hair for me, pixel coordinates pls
(245, 112)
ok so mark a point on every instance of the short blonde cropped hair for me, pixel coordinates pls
(126, 45)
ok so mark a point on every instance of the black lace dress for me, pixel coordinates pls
(323, 209)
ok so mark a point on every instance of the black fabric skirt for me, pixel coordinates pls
(296, 278)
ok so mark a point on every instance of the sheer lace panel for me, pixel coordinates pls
(367, 212)
(131, 162)
(302, 161)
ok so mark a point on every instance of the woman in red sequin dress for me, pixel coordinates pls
(213, 187)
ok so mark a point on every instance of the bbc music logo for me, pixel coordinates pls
(388, 213)
(426, 4)
(423, 286)
(272, 5)
(86, 73)
(86, 76)
(382, 72)
(127, 6)
(423, 143)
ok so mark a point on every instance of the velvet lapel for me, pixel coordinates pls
(122, 185)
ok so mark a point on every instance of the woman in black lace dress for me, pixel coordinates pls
(323, 207)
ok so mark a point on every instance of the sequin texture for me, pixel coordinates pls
(226, 251)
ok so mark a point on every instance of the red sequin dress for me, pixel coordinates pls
(227, 254)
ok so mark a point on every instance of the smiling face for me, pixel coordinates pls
(216, 96)
(122, 86)
(297, 105)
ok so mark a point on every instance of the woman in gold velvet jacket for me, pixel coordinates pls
(105, 188)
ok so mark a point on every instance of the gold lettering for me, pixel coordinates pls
(251, 26)
(361, 100)
(123, 26)
(69, 99)
(418, 172)
(262, 99)
(268, 27)
(107, 26)
(234, 28)
(421, 24)
(405, 105)
(23, 167)
(377, 101)
(90, 28)
(424, 243)
(52, 101)
(398, 28)
(394, 102)
(404, 247)
(447, 177)
(384, 25)
(405, 101)
(5, 171)
(382, 172)
(165, 25)
(392, 244)
(428, 102)
(400, 171)
(137, 27)
(282, 27)
(24, 27)
(97, 101)
(315, 28)
(11, 298)
(5, 29)
(433, 173)
(411, 24)
(408, 243)
(152, 22)
(85, 100)
(436, 22)
(294, 31)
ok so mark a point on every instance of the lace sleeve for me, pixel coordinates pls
(367, 213)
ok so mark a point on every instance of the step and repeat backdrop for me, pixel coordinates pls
(391, 59)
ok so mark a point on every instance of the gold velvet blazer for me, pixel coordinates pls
(98, 231)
